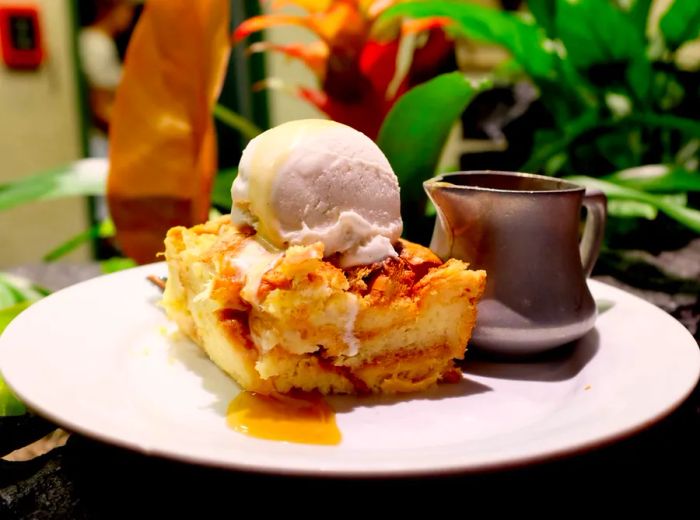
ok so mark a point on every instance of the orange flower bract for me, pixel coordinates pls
(162, 141)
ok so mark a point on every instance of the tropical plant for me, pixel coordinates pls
(612, 97)
(611, 105)
(361, 74)
(16, 294)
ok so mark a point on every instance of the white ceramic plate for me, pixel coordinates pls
(96, 358)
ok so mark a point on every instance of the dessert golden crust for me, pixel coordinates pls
(296, 320)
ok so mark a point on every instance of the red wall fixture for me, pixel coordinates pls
(20, 37)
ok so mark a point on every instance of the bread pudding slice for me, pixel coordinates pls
(277, 321)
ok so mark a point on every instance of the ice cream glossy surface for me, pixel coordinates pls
(313, 181)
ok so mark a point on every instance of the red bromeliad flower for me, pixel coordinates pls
(361, 75)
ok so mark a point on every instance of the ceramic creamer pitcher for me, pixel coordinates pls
(524, 231)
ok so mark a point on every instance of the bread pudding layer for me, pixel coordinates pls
(277, 321)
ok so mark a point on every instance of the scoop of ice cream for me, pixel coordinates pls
(313, 181)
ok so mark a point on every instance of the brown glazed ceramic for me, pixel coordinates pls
(523, 230)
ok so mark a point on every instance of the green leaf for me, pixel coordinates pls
(71, 244)
(640, 76)
(686, 155)
(14, 289)
(619, 148)
(590, 121)
(7, 314)
(639, 15)
(631, 208)
(657, 178)
(7, 295)
(550, 143)
(544, 12)
(526, 41)
(596, 32)
(681, 23)
(9, 404)
(221, 191)
(104, 229)
(16, 294)
(687, 216)
(85, 177)
(245, 127)
(117, 263)
(414, 132)
(680, 199)
(556, 163)
(669, 121)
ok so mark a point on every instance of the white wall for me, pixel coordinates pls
(39, 129)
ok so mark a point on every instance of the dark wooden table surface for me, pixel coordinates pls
(89, 479)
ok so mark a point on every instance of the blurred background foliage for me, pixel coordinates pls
(592, 90)
(601, 91)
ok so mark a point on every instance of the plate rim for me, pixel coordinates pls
(366, 473)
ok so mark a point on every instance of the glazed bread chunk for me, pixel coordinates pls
(277, 320)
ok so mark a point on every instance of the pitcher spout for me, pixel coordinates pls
(443, 237)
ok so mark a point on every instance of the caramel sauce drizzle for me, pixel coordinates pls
(301, 417)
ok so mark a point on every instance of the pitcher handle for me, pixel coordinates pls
(595, 203)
